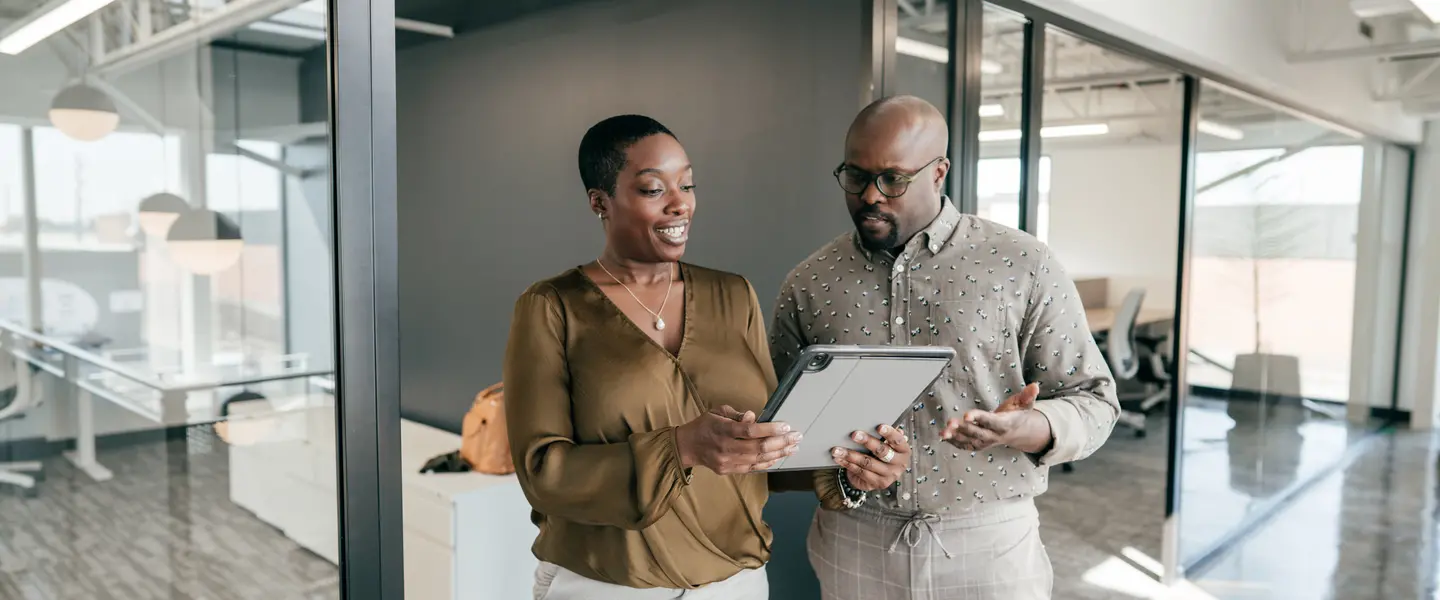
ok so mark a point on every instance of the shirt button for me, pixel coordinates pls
(899, 267)
(899, 320)
(905, 496)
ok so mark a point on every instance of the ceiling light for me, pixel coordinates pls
(290, 30)
(992, 110)
(83, 113)
(1220, 130)
(1074, 130)
(204, 242)
(158, 212)
(45, 22)
(1431, 8)
(939, 54)
(1000, 135)
(1058, 131)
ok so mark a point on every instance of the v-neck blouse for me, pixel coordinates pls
(592, 405)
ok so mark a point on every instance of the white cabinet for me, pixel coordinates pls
(467, 536)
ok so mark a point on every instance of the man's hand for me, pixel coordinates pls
(886, 461)
(1015, 423)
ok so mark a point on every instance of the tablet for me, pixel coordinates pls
(832, 391)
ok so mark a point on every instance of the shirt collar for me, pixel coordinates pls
(934, 236)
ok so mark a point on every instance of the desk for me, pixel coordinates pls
(1102, 319)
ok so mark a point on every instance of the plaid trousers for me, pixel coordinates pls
(991, 553)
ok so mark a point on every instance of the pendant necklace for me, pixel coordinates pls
(659, 321)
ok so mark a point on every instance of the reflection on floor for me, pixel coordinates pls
(1368, 532)
(1240, 455)
(149, 533)
(1102, 523)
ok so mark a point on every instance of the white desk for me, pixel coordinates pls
(467, 536)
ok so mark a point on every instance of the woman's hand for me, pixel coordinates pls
(727, 441)
(882, 467)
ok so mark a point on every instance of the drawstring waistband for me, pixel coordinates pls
(910, 532)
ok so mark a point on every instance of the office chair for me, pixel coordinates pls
(1121, 351)
(14, 402)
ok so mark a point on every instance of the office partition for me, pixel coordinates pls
(195, 194)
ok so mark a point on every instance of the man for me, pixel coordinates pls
(1028, 388)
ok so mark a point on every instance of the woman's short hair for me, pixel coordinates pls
(602, 150)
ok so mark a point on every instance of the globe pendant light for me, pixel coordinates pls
(159, 211)
(84, 113)
(204, 242)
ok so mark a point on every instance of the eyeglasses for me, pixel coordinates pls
(891, 184)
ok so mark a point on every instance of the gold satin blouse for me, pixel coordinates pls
(592, 404)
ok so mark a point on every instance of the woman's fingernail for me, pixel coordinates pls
(884, 429)
(837, 452)
(784, 427)
(795, 437)
(857, 436)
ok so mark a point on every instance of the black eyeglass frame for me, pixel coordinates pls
(905, 179)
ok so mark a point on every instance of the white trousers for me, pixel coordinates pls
(553, 582)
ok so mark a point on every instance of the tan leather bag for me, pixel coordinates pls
(484, 443)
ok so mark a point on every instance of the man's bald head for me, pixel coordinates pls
(900, 138)
(902, 120)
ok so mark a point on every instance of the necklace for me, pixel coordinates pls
(659, 321)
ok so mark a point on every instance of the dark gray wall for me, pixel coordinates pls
(759, 92)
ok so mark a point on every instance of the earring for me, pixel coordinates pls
(600, 216)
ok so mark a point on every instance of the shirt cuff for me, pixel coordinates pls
(827, 489)
(1067, 432)
(674, 442)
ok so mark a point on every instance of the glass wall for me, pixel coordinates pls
(1292, 277)
(1108, 206)
(169, 422)
(1271, 310)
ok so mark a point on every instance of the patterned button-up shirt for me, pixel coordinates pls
(998, 297)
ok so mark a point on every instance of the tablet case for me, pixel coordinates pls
(831, 391)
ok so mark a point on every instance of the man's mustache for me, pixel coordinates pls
(872, 211)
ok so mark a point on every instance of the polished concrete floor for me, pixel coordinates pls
(163, 528)
(1102, 523)
(1366, 531)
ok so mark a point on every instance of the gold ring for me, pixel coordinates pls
(889, 455)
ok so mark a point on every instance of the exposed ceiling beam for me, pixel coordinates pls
(434, 29)
(1380, 51)
(1257, 165)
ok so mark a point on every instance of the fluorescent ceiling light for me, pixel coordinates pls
(1058, 131)
(290, 30)
(992, 110)
(1431, 8)
(45, 22)
(1221, 131)
(939, 54)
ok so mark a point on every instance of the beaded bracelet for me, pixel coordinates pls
(853, 498)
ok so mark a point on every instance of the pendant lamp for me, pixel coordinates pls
(84, 113)
(159, 211)
(204, 242)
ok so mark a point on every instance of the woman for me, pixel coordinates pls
(632, 384)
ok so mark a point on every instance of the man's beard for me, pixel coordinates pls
(886, 242)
